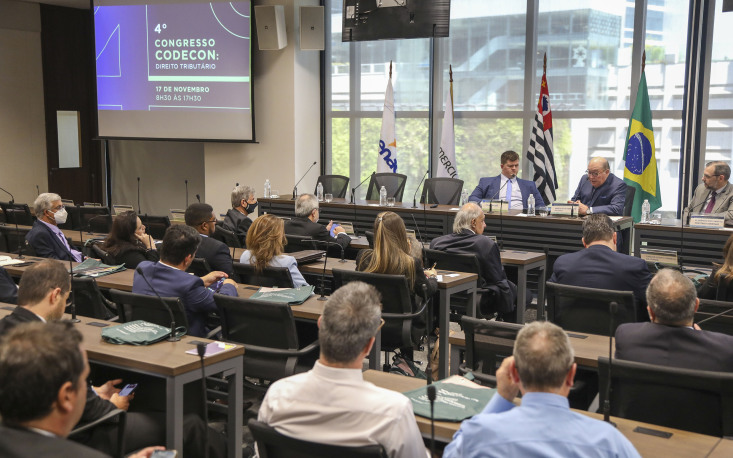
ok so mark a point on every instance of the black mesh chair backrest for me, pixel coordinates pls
(693, 400)
(270, 276)
(96, 219)
(581, 309)
(199, 267)
(396, 301)
(104, 255)
(709, 308)
(453, 261)
(89, 300)
(487, 344)
(725, 289)
(370, 238)
(265, 329)
(17, 213)
(155, 225)
(443, 191)
(15, 240)
(394, 183)
(73, 221)
(334, 184)
(226, 237)
(132, 306)
(298, 243)
(272, 444)
(629, 200)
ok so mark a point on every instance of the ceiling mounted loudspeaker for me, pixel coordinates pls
(270, 20)
(312, 34)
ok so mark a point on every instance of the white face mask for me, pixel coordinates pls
(60, 216)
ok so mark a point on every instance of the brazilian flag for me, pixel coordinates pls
(641, 163)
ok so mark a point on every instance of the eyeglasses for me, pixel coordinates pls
(60, 207)
(707, 177)
(381, 323)
(594, 173)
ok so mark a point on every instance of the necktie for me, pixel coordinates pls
(509, 194)
(711, 204)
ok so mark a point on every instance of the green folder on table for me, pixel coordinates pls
(292, 296)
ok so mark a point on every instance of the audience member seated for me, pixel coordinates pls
(265, 241)
(128, 243)
(306, 224)
(43, 392)
(169, 278)
(8, 288)
(599, 265)
(671, 339)
(720, 273)
(542, 368)
(45, 237)
(332, 403)
(202, 218)
(468, 238)
(237, 218)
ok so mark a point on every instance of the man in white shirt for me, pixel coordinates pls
(332, 403)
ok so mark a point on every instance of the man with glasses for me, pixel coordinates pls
(202, 218)
(714, 196)
(332, 404)
(600, 191)
(506, 186)
(45, 237)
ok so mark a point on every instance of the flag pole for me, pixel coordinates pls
(450, 72)
(544, 65)
(390, 69)
(643, 61)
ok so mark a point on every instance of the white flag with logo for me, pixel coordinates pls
(387, 160)
(446, 165)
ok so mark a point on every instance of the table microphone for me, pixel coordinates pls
(295, 188)
(353, 190)
(201, 350)
(198, 197)
(73, 319)
(138, 196)
(12, 199)
(431, 397)
(173, 335)
(612, 309)
(491, 201)
(414, 197)
(186, 182)
(38, 191)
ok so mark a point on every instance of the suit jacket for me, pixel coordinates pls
(238, 223)
(489, 187)
(674, 346)
(723, 203)
(24, 443)
(216, 254)
(45, 243)
(306, 227)
(609, 198)
(600, 267)
(8, 289)
(197, 299)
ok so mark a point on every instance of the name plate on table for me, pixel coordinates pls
(712, 221)
(564, 209)
(178, 214)
(494, 205)
(668, 257)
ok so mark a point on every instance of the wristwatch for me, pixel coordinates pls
(590, 211)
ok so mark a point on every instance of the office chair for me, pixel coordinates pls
(629, 200)
(15, 238)
(199, 267)
(298, 243)
(270, 276)
(133, 306)
(104, 255)
(226, 237)
(95, 219)
(722, 323)
(393, 182)
(89, 300)
(337, 185)
(370, 238)
(443, 191)
(17, 213)
(120, 424)
(156, 225)
(693, 400)
(272, 444)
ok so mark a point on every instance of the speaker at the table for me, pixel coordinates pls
(312, 36)
(270, 20)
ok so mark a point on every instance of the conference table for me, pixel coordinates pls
(170, 362)
(680, 444)
(695, 246)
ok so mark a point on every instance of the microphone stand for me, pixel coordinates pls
(323, 277)
(201, 350)
(138, 196)
(612, 308)
(73, 319)
(353, 190)
(491, 201)
(431, 397)
(295, 188)
(186, 182)
(20, 240)
(172, 337)
(501, 227)
(429, 368)
(414, 197)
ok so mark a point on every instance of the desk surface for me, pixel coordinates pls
(681, 444)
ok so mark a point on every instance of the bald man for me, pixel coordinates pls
(600, 191)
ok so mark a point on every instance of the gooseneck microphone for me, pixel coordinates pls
(198, 197)
(201, 350)
(138, 196)
(295, 188)
(431, 397)
(172, 337)
(491, 201)
(414, 197)
(353, 190)
(38, 191)
(725, 312)
(186, 183)
(683, 221)
(12, 199)
(612, 308)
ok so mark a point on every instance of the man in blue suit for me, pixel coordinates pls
(169, 278)
(46, 239)
(600, 191)
(507, 186)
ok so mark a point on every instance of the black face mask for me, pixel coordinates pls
(250, 208)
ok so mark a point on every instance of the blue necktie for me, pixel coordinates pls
(509, 194)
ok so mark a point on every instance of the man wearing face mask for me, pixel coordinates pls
(305, 223)
(202, 218)
(244, 203)
(45, 237)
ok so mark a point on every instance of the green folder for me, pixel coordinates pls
(452, 402)
(292, 296)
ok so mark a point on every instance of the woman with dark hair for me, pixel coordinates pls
(128, 243)
(721, 273)
(265, 242)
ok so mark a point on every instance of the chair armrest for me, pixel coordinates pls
(256, 349)
(103, 419)
(486, 380)
(404, 316)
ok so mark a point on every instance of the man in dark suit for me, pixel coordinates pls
(45, 237)
(8, 289)
(468, 238)
(169, 278)
(599, 265)
(306, 224)
(600, 191)
(671, 339)
(202, 218)
(244, 203)
(43, 391)
(507, 186)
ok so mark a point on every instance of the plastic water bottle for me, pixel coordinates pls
(267, 189)
(319, 192)
(645, 210)
(530, 205)
(383, 197)
(464, 197)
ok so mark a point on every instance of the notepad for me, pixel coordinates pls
(213, 348)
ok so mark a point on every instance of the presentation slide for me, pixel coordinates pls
(174, 70)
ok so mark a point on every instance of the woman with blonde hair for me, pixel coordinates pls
(265, 242)
(721, 273)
